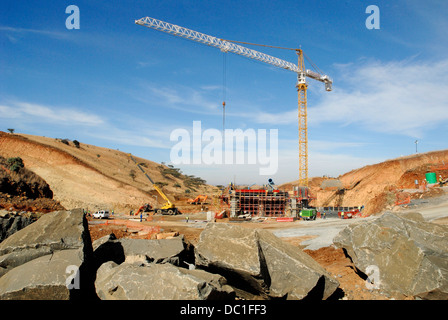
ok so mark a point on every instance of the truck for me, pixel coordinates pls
(101, 214)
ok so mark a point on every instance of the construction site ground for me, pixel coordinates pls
(96, 178)
(314, 237)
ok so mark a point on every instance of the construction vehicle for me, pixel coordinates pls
(144, 208)
(200, 199)
(231, 46)
(102, 214)
(442, 181)
(308, 214)
(168, 207)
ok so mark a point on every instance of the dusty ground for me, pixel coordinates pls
(95, 178)
(306, 234)
(18, 203)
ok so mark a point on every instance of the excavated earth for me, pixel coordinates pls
(98, 178)
(91, 177)
(378, 186)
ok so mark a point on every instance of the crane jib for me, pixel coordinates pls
(227, 46)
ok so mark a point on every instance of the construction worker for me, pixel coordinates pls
(424, 183)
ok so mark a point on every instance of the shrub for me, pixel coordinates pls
(161, 184)
(175, 172)
(15, 164)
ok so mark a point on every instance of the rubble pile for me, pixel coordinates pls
(36, 261)
(55, 258)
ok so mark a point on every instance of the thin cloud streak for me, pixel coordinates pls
(402, 97)
(37, 112)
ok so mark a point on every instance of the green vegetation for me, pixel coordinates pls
(193, 182)
(132, 174)
(189, 181)
(15, 164)
(175, 172)
(161, 184)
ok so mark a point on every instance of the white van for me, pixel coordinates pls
(102, 214)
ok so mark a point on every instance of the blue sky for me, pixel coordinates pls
(118, 85)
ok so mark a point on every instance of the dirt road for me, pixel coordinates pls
(320, 233)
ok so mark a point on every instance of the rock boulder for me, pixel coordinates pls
(40, 255)
(44, 278)
(258, 262)
(402, 252)
(11, 223)
(134, 281)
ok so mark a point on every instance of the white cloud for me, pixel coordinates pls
(91, 124)
(396, 97)
(56, 114)
(281, 118)
(182, 98)
(403, 97)
(128, 138)
(22, 31)
(37, 112)
(8, 112)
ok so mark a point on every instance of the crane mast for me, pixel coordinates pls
(229, 46)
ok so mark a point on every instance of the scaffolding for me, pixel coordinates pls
(264, 203)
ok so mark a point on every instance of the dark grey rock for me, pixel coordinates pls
(260, 263)
(32, 251)
(408, 254)
(134, 281)
(44, 278)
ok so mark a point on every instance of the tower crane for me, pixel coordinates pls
(232, 46)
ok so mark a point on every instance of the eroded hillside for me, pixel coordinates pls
(91, 177)
(377, 186)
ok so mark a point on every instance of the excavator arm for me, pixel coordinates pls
(168, 206)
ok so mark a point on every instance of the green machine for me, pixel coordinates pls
(308, 214)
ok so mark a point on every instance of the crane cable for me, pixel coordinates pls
(277, 47)
(261, 45)
(224, 89)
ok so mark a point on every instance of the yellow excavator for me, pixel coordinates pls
(168, 207)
